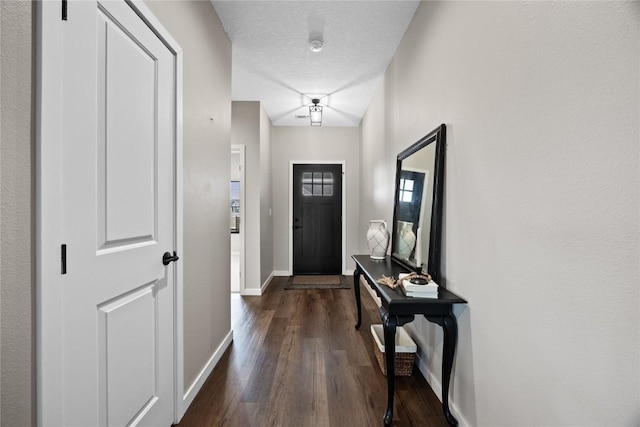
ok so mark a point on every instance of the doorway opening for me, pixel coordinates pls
(236, 219)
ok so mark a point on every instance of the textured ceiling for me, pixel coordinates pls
(272, 62)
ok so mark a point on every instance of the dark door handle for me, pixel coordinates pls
(297, 227)
(167, 258)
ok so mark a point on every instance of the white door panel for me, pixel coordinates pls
(118, 208)
(127, 349)
(127, 111)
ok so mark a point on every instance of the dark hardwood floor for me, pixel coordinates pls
(297, 360)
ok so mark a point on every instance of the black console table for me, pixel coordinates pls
(397, 310)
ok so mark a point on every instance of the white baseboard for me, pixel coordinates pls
(436, 386)
(286, 273)
(257, 292)
(266, 283)
(204, 374)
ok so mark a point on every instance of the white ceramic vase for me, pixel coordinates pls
(406, 239)
(378, 239)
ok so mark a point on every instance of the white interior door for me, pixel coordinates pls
(117, 185)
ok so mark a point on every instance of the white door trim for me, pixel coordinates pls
(240, 148)
(48, 35)
(344, 207)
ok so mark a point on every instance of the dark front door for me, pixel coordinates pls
(317, 219)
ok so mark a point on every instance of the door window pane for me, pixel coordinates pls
(317, 183)
(406, 190)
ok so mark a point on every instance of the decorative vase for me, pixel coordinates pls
(406, 239)
(378, 239)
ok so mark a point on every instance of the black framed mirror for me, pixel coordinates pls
(417, 213)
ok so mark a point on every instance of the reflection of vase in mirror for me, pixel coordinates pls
(406, 239)
(378, 239)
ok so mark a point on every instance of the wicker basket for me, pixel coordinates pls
(405, 351)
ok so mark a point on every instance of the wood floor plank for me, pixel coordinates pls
(297, 361)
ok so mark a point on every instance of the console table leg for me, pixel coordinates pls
(450, 337)
(390, 324)
(450, 329)
(356, 289)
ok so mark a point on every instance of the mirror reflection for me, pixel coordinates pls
(415, 192)
(416, 225)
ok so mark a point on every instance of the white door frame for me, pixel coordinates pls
(344, 207)
(240, 148)
(49, 332)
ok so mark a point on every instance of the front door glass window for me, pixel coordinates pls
(317, 184)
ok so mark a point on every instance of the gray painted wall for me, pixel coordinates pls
(207, 138)
(313, 145)
(17, 278)
(251, 128)
(266, 199)
(541, 102)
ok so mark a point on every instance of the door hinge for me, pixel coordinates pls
(63, 259)
(64, 10)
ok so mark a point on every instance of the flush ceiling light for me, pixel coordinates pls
(315, 113)
(316, 45)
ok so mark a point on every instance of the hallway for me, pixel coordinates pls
(296, 360)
